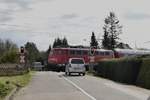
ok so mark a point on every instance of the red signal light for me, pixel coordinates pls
(22, 49)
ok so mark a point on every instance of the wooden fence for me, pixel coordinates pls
(12, 69)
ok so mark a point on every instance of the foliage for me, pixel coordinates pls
(4, 89)
(144, 74)
(9, 57)
(8, 51)
(134, 70)
(32, 52)
(8, 83)
(94, 42)
(48, 50)
(106, 40)
(47, 53)
(123, 46)
(112, 29)
(121, 70)
(60, 42)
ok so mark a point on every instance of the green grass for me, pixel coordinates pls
(8, 83)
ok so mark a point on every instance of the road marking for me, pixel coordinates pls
(91, 97)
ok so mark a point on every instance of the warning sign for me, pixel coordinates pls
(92, 59)
(22, 59)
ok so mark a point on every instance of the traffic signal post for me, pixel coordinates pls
(92, 59)
(22, 55)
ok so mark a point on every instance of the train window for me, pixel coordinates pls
(107, 53)
(64, 52)
(96, 52)
(72, 52)
(85, 52)
(101, 53)
(59, 52)
(55, 52)
(78, 52)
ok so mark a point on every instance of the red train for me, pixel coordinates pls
(58, 57)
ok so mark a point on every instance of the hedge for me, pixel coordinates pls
(129, 70)
(121, 70)
(144, 74)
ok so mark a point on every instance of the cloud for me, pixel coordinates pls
(6, 14)
(137, 16)
(41, 21)
(69, 16)
(19, 4)
(8, 8)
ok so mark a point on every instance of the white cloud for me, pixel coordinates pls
(41, 21)
(137, 16)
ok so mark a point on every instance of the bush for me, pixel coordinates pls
(121, 70)
(144, 74)
(9, 57)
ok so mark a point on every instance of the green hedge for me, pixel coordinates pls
(129, 70)
(144, 74)
(121, 70)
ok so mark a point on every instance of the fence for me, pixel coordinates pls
(12, 69)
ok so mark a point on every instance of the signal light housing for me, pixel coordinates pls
(22, 49)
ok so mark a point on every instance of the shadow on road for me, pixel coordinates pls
(72, 75)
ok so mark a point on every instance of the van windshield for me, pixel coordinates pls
(77, 61)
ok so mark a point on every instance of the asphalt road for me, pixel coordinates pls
(57, 86)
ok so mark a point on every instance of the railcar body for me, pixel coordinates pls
(59, 57)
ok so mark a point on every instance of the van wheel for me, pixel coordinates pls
(69, 74)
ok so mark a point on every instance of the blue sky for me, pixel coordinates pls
(41, 21)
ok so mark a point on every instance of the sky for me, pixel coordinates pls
(41, 21)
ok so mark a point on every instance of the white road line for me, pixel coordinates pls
(91, 97)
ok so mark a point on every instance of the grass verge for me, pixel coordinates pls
(8, 83)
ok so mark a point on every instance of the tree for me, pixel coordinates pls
(55, 43)
(112, 29)
(106, 40)
(60, 42)
(94, 42)
(47, 52)
(8, 52)
(65, 42)
(49, 49)
(2, 47)
(32, 52)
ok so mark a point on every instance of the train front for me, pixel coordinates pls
(57, 59)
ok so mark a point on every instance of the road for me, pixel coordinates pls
(57, 86)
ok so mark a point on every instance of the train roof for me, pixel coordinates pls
(82, 49)
(133, 51)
